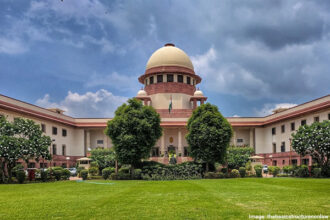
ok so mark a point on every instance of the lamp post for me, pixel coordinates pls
(67, 161)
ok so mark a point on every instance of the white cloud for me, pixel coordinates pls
(268, 108)
(114, 80)
(102, 103)
(12, 46)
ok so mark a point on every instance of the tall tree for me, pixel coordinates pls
(209, 134)
(314, 140)
(21, 139)
(134, 131)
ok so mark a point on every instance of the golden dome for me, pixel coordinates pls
(169, 55)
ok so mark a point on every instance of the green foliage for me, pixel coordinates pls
(288, 169)
(137, 174)
(56, 172)
(21, 139)
(224, 170)
(234, 173)
(17, 168)
(124, 170)
(242, 171)
(44, 175)
(274, 170)
(104, 157)
(93, 164)
(258, 170)
(106, 172)
(209, 134)
(84, 174)
(314, 140)
(301, 171)
(93, 171)
(317, 172)
(134, 131)
(20, 175)
(282, 175)
(210, 175)
(79, 169)
(248, 166)
(258, 166)
(187, 170)
(238, 156)
(66, 174)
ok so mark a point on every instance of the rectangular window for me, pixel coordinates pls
(274, 162)
(273, 131)
(43, 128)
(186, 151)
(283, 147)
(329, 116)
(99, 141)
(283, 162)
(274, 147)
(180, 78)
(31, 165)
(293, 126)
(303, 122)
(305, 162)
(169, 77)
(294, 162)
(239, 140)
(283, 128)
(155, 152)
(63, 150)
(43, 165)
(55, 130)
(316, 119)
(146, 82)
(64, 133)
(151, 80)
(188, 80)
(54, 149)
(159, 78)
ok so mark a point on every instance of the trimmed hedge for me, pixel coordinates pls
(20, 175)
(106, 172)
(84, 174)
(234, 173)
(242, 171)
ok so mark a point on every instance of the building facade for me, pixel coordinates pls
(170, 86)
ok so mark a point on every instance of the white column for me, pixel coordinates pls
(234, 137)
(251, 138)
(179, 141)
(162, 143)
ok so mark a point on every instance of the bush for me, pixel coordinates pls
(258, 166)
(20, 175)
(79, 169)
(282, 175)
(66, 174)
(221, 175)
(242, 171)
(17, 168)
(274, 170)
(58, 174)
(301, 171)
(287, 169)
(84, 174)
(114, 176)
(258, 171)
(124, 170)
(234, 173)
(106, 172)
(317, 172)
(93, 171)
(136, 174)
(248, 166)
(44, 175)
(210, 175)
(224, 170)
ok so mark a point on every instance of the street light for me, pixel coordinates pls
(67, 161)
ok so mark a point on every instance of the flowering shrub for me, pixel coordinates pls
(234, 173)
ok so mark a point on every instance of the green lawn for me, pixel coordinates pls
(190, 199)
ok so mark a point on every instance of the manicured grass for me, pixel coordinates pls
(191, 199)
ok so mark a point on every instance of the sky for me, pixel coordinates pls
(85, 56)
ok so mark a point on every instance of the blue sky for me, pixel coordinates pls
(85, 56)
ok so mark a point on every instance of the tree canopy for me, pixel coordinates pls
(314, 140)
(209, 134)
(103, 157)
(134, 131)
(21, 139)
(238, 156)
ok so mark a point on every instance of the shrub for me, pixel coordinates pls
(317, 172)
(234, 173)
(84, 174)
(114, 176)
(210, 175)
(93, 171)
(17, 168)
(123, 170)
(66, 174)
(136, 174)
(58, 174)
(124, 176)
(258, 171)
(248, 166)
(221, 175)
(257, 166)
(43, 175)
(20, 175)
(106, 172)
(274, 170)
(242, 171)
(288, 169)
(224, 170)
(301, 171)
(283, 175)
(80, 169)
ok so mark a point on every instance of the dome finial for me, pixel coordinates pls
(169, 45)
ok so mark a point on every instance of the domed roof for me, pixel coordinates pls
(198, 93)
(169, 55)
(141, 93)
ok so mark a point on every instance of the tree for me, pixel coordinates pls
(209, 134)
(21, 139)
(314, 140)
(104, 158)
(134, 131)
(238, 156)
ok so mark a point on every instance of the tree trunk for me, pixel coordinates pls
(207, 167)
(9, 168)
